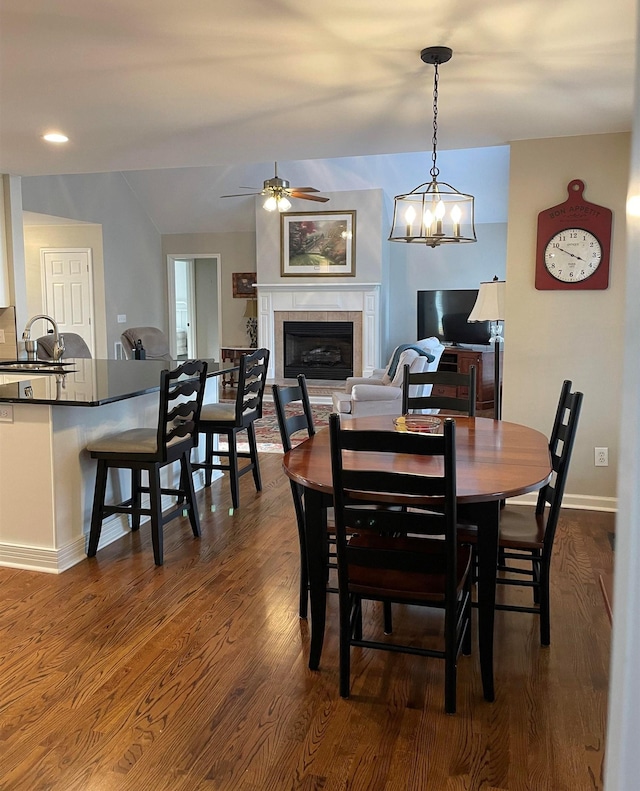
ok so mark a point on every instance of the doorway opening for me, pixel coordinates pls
(194, 306)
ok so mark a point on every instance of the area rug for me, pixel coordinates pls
(268, 434)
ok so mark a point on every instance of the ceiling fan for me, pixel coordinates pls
(278, 193)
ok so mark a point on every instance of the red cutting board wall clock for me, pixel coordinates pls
(574, 244)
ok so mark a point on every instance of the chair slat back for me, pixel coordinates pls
(290, 423)
(560, 448)
(444, 379)
(181, 394)
(252, 379)
(363, 476)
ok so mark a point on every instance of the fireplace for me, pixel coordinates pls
(318, 349)
(357, 303)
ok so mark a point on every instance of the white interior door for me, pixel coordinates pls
(68, 291)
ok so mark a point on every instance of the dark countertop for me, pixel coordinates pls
(93, 382)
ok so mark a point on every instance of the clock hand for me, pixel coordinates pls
(562, 250)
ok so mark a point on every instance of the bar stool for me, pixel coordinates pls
(230, 419)
(150, 449)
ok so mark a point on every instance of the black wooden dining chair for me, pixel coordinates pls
(393, 555)
(529, 537)
(448, 391)
(151, 449)
(230, 419)
(290, 423)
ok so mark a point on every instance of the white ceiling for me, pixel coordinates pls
(146, 84)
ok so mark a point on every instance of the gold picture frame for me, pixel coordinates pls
(319, 244)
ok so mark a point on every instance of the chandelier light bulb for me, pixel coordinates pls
(439, 216)
(428, 222)
(410, 217)
(284, 204)
(456, 216)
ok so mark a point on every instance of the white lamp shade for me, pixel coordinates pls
(489, 302)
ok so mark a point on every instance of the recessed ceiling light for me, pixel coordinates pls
(55, 137)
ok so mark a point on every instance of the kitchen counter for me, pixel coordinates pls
(89, 383)
(47, 476)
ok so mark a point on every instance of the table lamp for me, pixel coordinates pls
(489, 306)
(251, 315)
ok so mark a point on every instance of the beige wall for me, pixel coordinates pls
(237, 253)
(556, 335)
(37, 237)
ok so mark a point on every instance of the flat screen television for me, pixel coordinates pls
(444, 313)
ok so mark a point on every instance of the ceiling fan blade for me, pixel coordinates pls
(305, 196)
(303, 189)
(241, 195)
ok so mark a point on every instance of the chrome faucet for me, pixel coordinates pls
(58, 340)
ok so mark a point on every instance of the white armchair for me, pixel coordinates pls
(381, 393)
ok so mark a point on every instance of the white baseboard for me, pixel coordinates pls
(55, 561)
(580, 502)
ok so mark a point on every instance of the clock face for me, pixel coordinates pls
(572, 255)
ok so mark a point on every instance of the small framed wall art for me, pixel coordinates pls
(243, 287)
(318, 245)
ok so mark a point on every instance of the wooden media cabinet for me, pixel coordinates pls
(459, 359)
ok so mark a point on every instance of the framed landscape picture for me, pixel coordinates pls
(243, 287)
(320, 244)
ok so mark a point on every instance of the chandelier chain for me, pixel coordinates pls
(434, 168)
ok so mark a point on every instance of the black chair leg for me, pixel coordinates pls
(388, 620)
(233, 469)
(98, 503)
(136, 498)
(545, 617)
(345, 645)
(466, 639)
(208, 458)
(535, 568)
(357, 619)
(296, 494)
(156, 515)
(186, 486)
(253, 450)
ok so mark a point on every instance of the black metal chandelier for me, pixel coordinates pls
(434, 213)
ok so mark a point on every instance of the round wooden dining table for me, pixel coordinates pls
(495, 460)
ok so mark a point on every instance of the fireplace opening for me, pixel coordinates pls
(318, 349)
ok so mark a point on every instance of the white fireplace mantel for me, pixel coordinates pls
(321, 297)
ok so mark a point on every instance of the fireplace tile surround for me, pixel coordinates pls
(357, 302)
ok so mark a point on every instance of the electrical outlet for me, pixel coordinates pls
(601, 457)
(6, 413)
(2, 338)
(122, 318)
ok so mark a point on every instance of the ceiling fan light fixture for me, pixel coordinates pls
(434, 213)
(277, 192)
(279, 202)
(271, 204)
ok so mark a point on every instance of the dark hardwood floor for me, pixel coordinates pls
(120, 676)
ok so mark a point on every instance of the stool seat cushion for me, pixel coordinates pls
(135, 440)
(217, 413)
